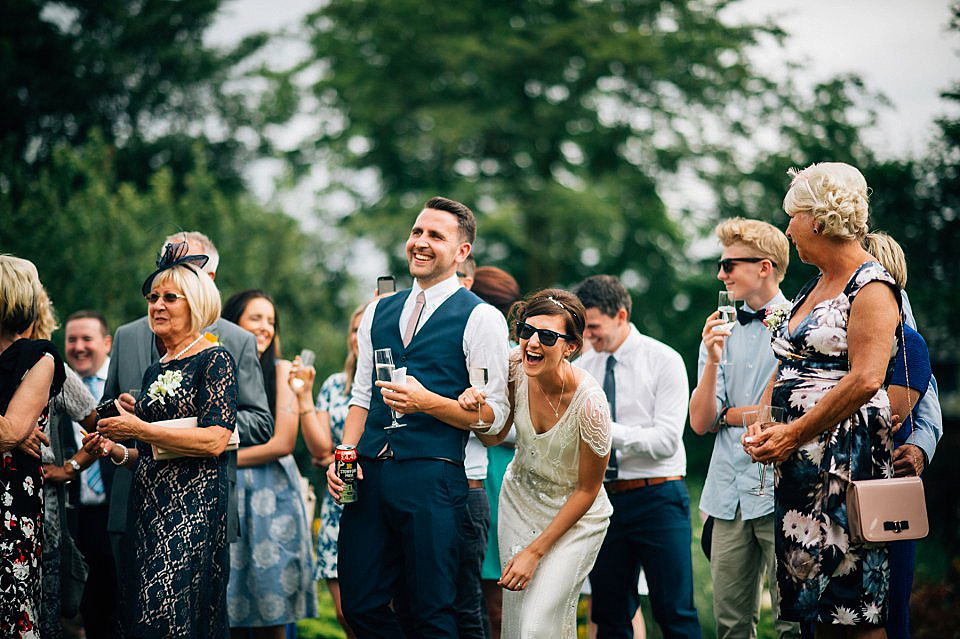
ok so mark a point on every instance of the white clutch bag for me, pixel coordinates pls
(186, 422)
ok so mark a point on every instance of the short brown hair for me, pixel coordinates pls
(605, 293)
(85, 314)
(554, 301)
(765, 239)
(466, 221)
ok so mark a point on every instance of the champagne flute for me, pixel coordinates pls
(761, 419)
(383, 361)
(728, 313)
(307, 358)
(479, 376)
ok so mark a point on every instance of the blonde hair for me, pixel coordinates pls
(835, 194)
(19, 292)
(202, 295)
(889, 254)
(206, 246)
(46, 322)
(766, 239)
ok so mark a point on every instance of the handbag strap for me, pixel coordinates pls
(906, 372)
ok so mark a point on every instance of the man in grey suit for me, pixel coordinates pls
(135, 348)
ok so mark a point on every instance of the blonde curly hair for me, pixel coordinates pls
(835, 194)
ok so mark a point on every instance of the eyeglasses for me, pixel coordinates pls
(547, 337)
(728, 263)
(168, 298)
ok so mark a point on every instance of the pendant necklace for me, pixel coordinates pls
(563, 382)
(189, 346)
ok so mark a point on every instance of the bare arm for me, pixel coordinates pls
(870, 332)
(285, 425)
(27, 404)
(412, 397)
(703, 401)
(195, 442)
(472, 398)
(520, 568)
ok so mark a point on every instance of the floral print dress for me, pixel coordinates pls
(332, 399)
(822, 575)
(21, 498)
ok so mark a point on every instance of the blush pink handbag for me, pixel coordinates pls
(882, 510)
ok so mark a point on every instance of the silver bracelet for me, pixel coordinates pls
(126, 456)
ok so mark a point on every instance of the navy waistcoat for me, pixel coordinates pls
(435, 357)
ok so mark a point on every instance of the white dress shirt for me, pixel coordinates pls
(652, 392)
(484, 344)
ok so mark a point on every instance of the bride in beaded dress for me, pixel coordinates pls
(553, 509)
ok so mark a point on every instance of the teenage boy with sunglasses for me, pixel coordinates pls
(645, 382)
(751, 267)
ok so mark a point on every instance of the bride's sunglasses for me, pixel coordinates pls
(547, 337)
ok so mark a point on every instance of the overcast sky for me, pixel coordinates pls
(900, 47)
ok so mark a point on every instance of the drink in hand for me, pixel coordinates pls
(307, 357)
(479, 376)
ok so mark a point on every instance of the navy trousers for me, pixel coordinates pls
(650, 528)
(469, 603)
(401, 541)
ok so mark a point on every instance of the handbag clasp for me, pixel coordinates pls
(896, 526)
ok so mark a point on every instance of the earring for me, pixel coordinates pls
(816, 231)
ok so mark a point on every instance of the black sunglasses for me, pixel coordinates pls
(728, 263)
(547, 337)
(168, 298)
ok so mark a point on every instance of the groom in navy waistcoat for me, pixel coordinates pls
(400, 541)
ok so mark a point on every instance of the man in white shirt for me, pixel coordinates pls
(87, 351)
(646, 386)
(400, 541)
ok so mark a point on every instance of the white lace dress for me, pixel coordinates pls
(537, 483)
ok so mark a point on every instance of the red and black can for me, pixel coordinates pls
(346, 459)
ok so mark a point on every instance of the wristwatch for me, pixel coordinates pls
(721, 418)
(74, 463)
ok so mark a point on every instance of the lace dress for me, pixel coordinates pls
(538, 482)
(822, 575)
(174, 559)
(21, 496)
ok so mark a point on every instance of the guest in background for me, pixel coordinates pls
(64, 571)
(31, 372)
(175, 562)
(497, 288)
(912, 391)
(467, 271)
(645, 382)
(834, 349)
(271, 576)
(751, 267)
(87, 351)
(323, 432)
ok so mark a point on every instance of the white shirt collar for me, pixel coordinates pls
(439, 291)
(101, 374)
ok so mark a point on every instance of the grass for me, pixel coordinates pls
(325, 625)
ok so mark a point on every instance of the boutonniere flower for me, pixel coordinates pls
(164, 386)
(776, 315)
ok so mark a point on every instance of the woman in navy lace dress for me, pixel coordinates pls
(174, 559)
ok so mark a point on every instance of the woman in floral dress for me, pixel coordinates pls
(834, 350)
(31, 372)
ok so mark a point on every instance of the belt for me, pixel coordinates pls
(623, 485)
(475, 483)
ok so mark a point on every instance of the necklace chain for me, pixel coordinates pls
(189, 346)
(563, 382)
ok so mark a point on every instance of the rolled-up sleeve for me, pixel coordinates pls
(927, 421)
(485, 344)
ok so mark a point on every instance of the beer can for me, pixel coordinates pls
(346, 460)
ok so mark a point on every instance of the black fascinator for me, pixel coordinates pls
(174, 255)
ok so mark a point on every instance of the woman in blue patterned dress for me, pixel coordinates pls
(322, 436)
(271, 569)
(835, 349)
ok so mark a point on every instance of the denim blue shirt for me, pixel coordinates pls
(927, 417)
(739, 383)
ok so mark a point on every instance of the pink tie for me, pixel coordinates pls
(414, 319)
